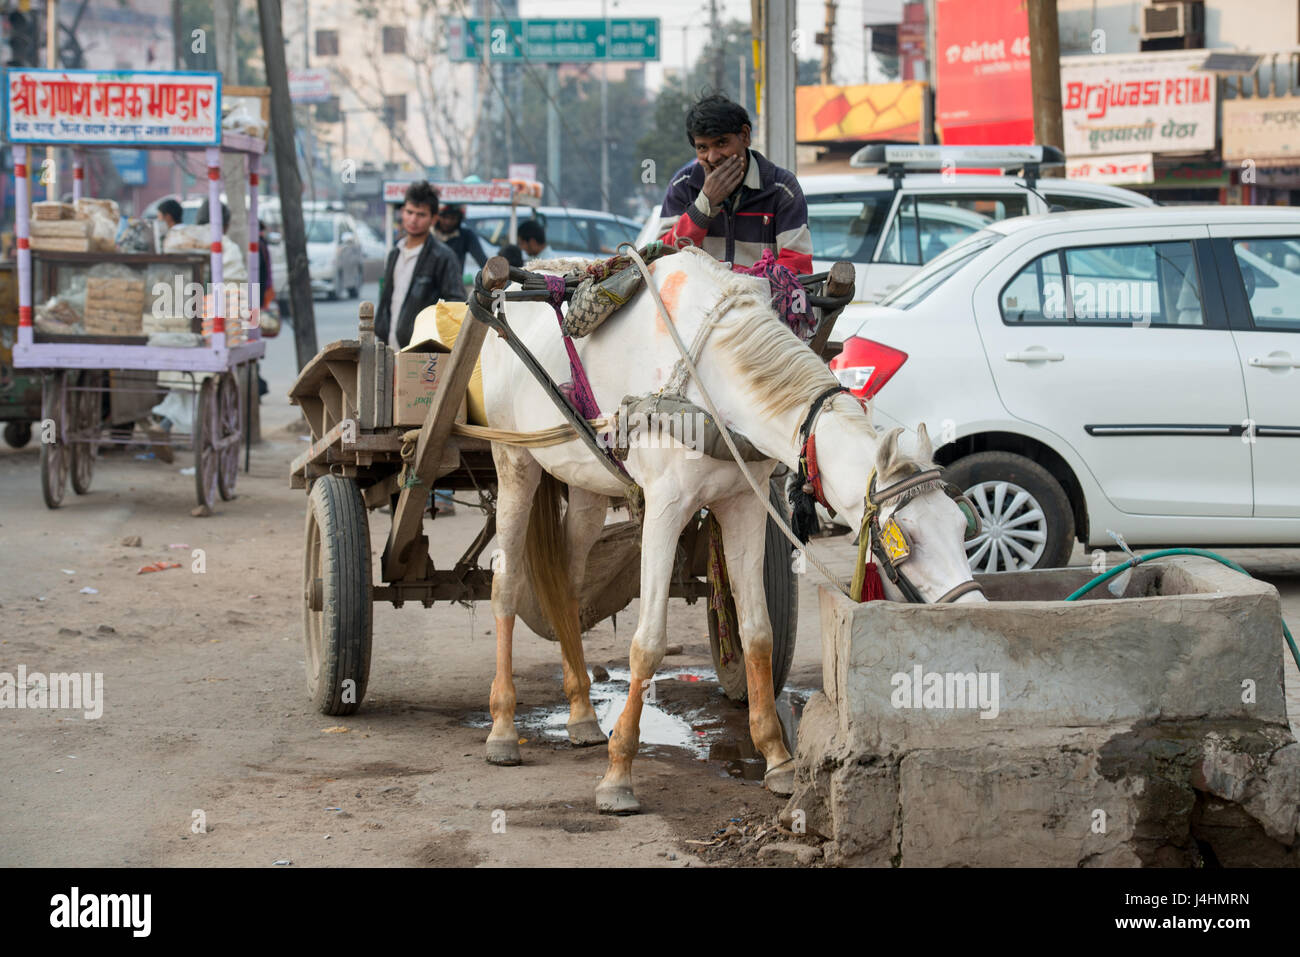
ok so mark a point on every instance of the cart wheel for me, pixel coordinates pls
(336, 596)
(205, 453)
(85, 416)
(18, 434)
(782, 589)
(228, 422)
(54, 453)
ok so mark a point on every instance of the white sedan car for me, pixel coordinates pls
(1134, 370)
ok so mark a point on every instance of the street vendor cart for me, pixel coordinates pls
(361, 459)
(140, 317)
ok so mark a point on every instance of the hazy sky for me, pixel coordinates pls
(684, 26)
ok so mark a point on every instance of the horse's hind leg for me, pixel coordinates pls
(517, 476)
(663, 526)
(743, 520)
(583, 522)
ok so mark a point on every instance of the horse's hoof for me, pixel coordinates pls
(616, 800)
(780, 780)
(504, 752)
(584, 734)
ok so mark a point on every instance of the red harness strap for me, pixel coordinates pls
(808, 456)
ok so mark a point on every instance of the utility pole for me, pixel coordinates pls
(552, 135)
(1045, 75)
(286, 173)
(827, 40)
(776, 111)
(719, 65)
(604, 113)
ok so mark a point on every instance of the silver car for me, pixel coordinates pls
(334, 256)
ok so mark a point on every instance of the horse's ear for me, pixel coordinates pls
(887, 455)
(924, 448)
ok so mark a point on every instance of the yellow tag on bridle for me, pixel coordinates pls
(894, 542)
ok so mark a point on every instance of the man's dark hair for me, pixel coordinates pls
(422, 194)
(203, 216)
(513, 255)
(454, 210)
(715, 115)
(170, 207)
(531, 229)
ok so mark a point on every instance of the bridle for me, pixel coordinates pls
(889, 543)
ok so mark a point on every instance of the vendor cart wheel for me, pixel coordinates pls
(18, 434)
(84, 413)
(336, 596)
(782, 589)
(54, 450)
(205, 453)
(228, 424)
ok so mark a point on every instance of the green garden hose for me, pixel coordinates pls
(1139, 559)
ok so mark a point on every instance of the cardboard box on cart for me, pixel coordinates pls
(417, 370)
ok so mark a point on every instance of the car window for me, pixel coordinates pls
(492, 229)
(846, 227)
(609, 233)
(566, 232)
(1127, 284)
(928, 224)
(320, 230)
(1270, 270)
(936, 273)
(1071, 201)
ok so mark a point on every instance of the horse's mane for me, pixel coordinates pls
(779, 370)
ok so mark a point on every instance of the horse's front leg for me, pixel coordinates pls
(583, 522)
(517, 476)
(743, 520)
(663, 525)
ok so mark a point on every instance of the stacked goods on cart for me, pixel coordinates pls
(88, 225)
(187, 237)
(114, 307)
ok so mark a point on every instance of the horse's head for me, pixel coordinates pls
(920, 526)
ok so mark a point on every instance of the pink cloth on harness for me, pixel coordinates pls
(788, 297)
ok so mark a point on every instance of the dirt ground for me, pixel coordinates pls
(206, 716)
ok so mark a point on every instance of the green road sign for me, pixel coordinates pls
(555, 41)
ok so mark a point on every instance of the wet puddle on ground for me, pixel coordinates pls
(685, 709)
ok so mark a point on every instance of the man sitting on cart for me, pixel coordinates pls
(732, 201)
(420, 270)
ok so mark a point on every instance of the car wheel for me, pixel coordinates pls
(1026, 516)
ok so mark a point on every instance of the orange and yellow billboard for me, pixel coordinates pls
(869, 111)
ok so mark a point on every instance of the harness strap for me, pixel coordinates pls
(579, 391)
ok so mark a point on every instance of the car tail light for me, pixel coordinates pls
(864, 366)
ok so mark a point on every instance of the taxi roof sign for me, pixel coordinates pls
(918, 158)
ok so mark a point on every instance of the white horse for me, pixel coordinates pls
(763, 381)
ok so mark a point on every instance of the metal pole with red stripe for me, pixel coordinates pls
(254, 246)
(78, 174)
(23, 230)
(214, 217)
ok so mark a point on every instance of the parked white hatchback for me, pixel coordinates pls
(1133, 370)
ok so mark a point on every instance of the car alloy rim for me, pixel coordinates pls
(1014, 533)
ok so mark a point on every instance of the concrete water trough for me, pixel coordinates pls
(1144, 730)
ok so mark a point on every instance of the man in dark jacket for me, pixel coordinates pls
(460, 239)
(732, 201)
(420, 270)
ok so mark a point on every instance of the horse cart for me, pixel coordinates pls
(359, 461)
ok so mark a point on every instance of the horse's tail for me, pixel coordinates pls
(548, 569)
